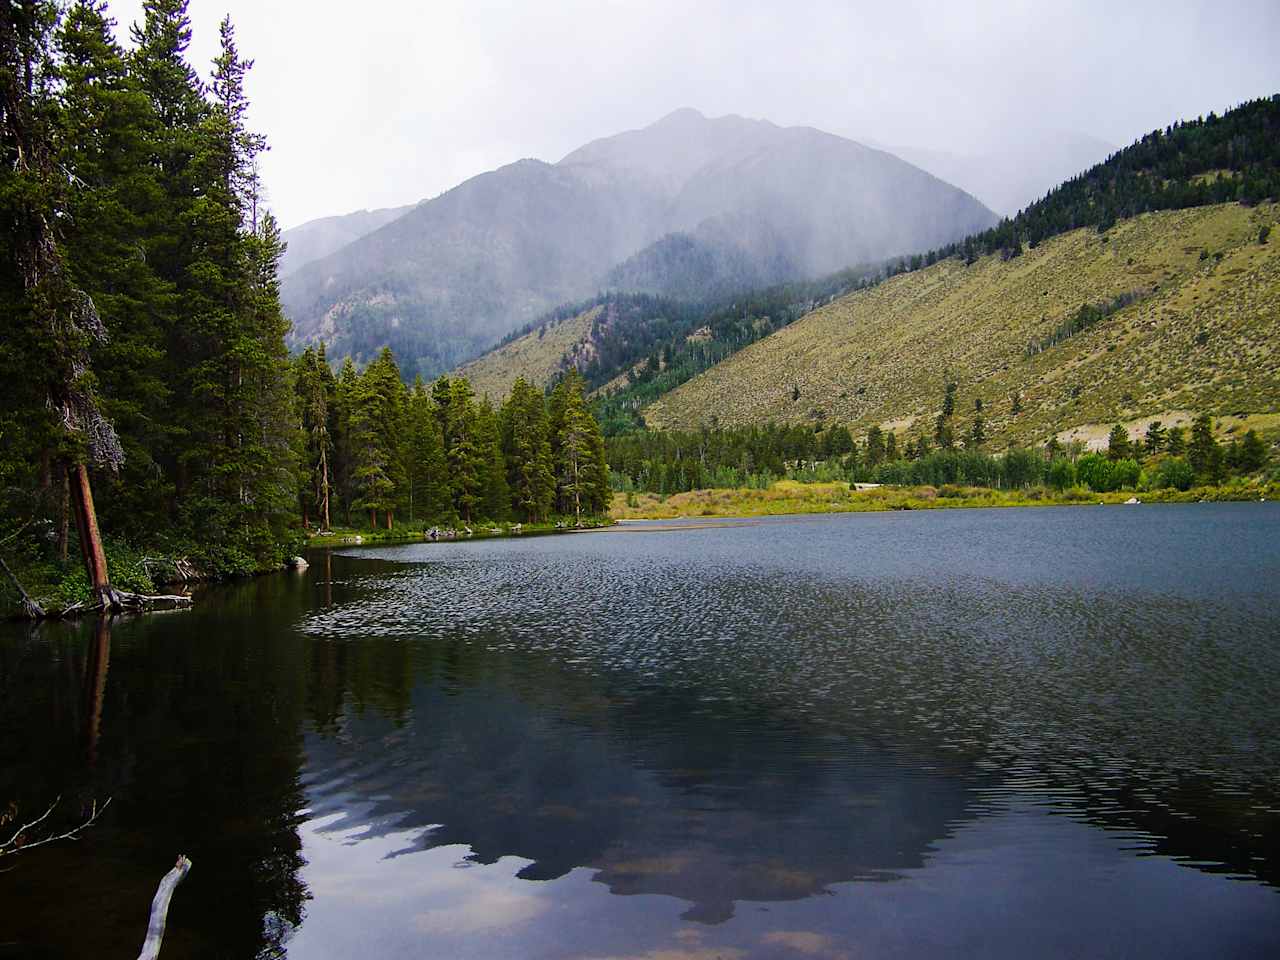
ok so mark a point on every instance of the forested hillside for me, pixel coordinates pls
(633, 347)
(1163, 315)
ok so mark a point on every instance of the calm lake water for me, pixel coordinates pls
(1015, 733)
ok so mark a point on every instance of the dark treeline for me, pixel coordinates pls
(144, 342)
(675, 462)
(374, 450)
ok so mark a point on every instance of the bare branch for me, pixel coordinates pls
(15, 845)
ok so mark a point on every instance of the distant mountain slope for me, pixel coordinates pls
(1010, 179)
(319, 238)
(1200, 336)
(456, 273)
(539, 356)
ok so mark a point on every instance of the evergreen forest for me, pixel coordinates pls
(148, 404)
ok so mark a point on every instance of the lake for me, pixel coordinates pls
(996, 733)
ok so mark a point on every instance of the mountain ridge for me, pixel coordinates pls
(453, 274)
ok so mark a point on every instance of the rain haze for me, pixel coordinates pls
(391, 102)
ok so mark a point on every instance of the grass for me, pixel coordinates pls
(537, 358)
(791, 497)
(1201, 338)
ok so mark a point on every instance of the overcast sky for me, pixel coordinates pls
(385, 102)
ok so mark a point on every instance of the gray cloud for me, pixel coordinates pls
(390, 101)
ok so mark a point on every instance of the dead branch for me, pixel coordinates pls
(160, 908)
(29, 606)
(18, 842)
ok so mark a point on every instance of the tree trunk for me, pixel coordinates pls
(95, 558)
(388, 519)
(324, 487)
(63, 533)
(373, 519)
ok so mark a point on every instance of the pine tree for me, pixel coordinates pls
(316, 388)
(345, 393)
(1253, 452)
(53, 322)
(462, 451)
(978, 431)
(942, 434)
(427, 473)
(576, 456)
(875, 447)
(1204, 454)
(371, 450)
(1119, 447)
(1155, 437)
(102, 127)
(599, 491)
(495, 494)
(527, 452)
(891, 446)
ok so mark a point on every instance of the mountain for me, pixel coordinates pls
(454, 274)
(319, 238)
(1168, 299)
(1009, 179)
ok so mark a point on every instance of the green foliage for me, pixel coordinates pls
(1102, 474)
(1175, 473)
(1061, 474)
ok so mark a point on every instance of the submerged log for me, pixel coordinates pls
(160, 908)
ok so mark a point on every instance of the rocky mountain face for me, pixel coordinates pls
(728, 201)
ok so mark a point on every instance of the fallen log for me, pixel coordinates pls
(117, 601)
(160, 908)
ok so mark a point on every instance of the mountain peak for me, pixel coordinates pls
(682, 115)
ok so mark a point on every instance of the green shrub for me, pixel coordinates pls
(1061, 473)
(1174, 472)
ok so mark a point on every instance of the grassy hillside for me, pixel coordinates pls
(538, 356)
(1200, 336)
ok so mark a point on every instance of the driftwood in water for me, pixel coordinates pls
(160, 908)
(170, 570)
(118, 601)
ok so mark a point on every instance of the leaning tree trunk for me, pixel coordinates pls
(95, 558)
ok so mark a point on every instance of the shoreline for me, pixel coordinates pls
(368, 538)
(794, 498)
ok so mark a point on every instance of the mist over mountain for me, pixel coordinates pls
(1007, 179)
(319, 238)
(748, 201)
